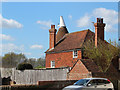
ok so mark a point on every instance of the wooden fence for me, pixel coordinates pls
(32, 76)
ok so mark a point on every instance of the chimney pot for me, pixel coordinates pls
(52, 26)
(99, 20)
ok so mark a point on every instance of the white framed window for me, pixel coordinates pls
(75, 54)
(52, 64)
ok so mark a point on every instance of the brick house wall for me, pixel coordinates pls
(62, 59)
(79, 71)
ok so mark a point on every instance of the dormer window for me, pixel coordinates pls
(75, 54)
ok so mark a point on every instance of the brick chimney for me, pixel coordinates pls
(52, 37)
(99, 30)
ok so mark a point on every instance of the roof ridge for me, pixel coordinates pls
(79, 31)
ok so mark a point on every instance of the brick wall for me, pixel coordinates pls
(62, 59)
(79, 71)
(53, 85)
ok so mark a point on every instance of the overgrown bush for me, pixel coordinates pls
(38, 67)
(23, 66)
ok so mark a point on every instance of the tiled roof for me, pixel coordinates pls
(61, 32)
(90, 65)
(72, 41)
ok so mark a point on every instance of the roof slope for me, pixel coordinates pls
(72, 41)
(90, 65)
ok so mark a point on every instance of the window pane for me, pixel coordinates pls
(75, 54)
(52, 64)
(105, 81)
(81, 82)
(93, 82)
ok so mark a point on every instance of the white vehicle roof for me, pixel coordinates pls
(96, 78)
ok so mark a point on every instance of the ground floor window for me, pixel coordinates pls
(52, 64)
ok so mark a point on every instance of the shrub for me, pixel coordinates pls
(23, 66)
(38, 67)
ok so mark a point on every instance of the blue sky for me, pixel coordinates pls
(25, 25)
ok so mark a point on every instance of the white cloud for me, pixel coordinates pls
(44, 24)
(9, 23)
(6, 37)
(36, 47)
(10, 47)
(109, 16)
(70, 16)
(84, 21)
